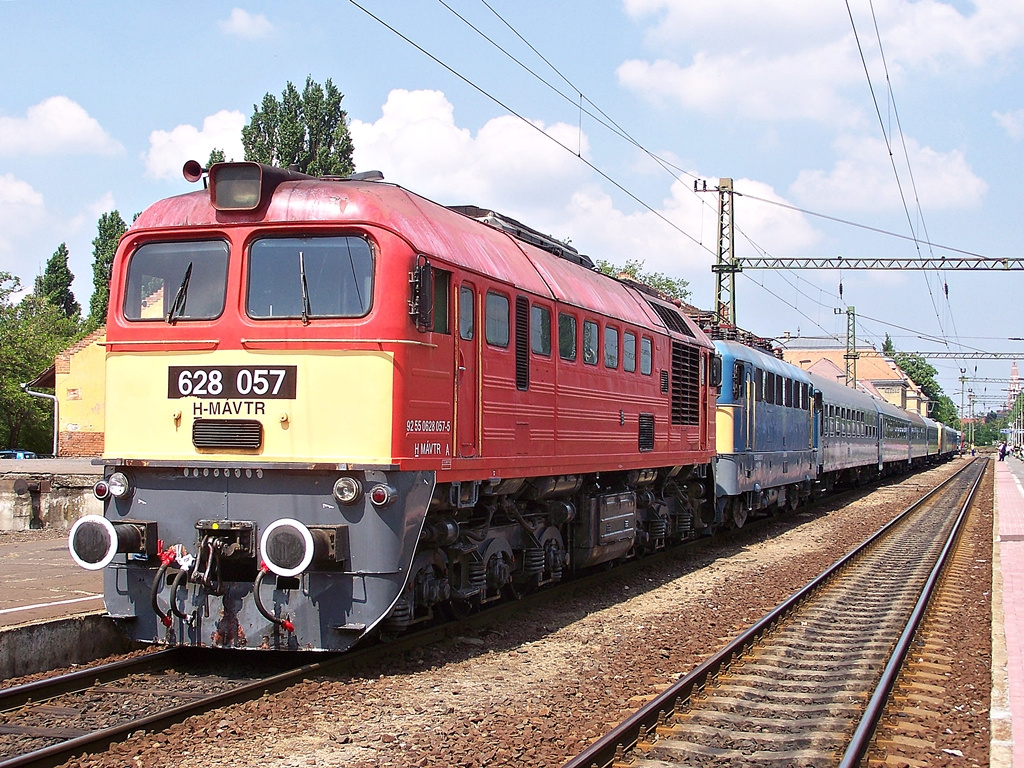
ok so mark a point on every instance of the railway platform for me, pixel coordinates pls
(1008, 617)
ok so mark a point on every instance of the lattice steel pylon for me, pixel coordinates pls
(725, 267)
(851, 345)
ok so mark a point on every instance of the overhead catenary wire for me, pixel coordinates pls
(483, 92)
(585, 106)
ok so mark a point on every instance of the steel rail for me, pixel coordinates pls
(864, 733)
(607, 748)
(65, 750)
(79, 680)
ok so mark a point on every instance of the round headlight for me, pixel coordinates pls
(348, 490)
(118, 486)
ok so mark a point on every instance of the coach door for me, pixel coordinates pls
(467, 372)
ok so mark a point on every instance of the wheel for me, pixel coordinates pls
(739, 513)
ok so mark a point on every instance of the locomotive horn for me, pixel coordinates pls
(192, 171)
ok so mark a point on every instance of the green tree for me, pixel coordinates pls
(216, 156)
(32, 332)
(55, 284)
(307, 130)
(111, 226)
(673, 287)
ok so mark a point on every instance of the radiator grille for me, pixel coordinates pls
(227, 433)
(685, 384)
(522, 343)
(646, 432)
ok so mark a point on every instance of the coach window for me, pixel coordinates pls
(496, 323)
(611, 347)
(467, 312)
(590, 343)
(540, 330)
(805, 399)
(780, 382)
(566, 337)
(629, 351)
(769, 388)
(646, 355)
(788, 392)
(309, 277)
(758, 385)
(177, 281)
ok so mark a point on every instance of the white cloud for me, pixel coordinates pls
(56, 125)
(416, 143)
(246, 25)
(1012, 122)
(169, 150)
(22, 214)
(862, 179)
(513, 168)
(782, 59)
(751, 84)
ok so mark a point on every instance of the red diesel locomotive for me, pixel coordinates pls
(336, 408)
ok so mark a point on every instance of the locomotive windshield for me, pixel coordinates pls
(177, 281)
(310, 277)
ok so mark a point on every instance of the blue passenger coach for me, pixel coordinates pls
(765, 433)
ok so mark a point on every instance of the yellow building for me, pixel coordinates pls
(78, 381)
(878, 373)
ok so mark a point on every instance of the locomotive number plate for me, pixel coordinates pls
(231, 381)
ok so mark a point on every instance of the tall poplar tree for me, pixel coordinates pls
(111, 226)
(307, 130)
(55, 284)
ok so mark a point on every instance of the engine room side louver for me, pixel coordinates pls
(685, 384)
(227, 433)
(646, 442)
(522, 343)
(672, 319)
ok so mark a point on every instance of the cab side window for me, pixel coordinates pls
(590, 342)
(540, 330)
(566, 337)
(496, 324)
(611, 347)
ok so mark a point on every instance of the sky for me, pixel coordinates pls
(861, 128)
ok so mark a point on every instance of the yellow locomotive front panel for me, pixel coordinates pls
(327, 406)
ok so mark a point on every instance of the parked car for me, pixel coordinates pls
(16, 453)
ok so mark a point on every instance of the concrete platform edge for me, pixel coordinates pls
(30, 648)
(1000, 724)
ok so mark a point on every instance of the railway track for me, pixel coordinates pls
(51, 720)
(806, 685)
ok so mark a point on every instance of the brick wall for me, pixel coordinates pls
(77, 444)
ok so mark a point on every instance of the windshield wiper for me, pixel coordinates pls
(178, 305)
(306, 309)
